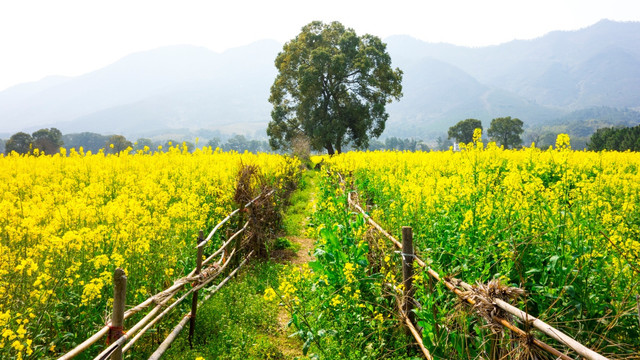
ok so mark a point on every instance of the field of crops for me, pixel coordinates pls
(68, 220)
(561, 224)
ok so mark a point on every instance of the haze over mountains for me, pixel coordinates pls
(186, 87)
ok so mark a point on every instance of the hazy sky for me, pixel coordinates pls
(72, 37)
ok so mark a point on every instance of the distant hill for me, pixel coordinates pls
(543, 81)
(171, 87)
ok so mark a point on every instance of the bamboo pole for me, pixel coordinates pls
(638, 305)
(550, 331)
(194, 296)
(117, 319)
(417, 336)
(227, 278)
(224, 246)
(167, 342)
(206, 240)
(173, 305)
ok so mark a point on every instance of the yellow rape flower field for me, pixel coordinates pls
(564, 225)
(68, 220)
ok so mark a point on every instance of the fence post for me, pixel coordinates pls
(638, 305)
(117, 319)
(407, 272)
(194, 296)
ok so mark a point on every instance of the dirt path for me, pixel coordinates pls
(291, 347)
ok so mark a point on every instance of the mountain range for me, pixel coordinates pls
(186, 88)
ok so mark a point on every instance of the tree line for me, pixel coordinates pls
(615, 138)
(505, 131)
(49, 141)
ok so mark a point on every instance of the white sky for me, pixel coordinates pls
(71, 37)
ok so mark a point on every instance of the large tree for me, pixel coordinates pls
(19, 142)
(332, 87)
(506, 131)
(463, 130)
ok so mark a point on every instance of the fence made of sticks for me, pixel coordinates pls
(496, 311)
(234, 252)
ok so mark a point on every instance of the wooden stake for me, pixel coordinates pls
(117, 320)
(638, 304)
(194, 297)
(407, 272)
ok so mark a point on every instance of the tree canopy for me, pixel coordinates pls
(620, 139)
(506, 131)
(117, 143)
(48, 141)
(332, 87)
(462, 132)
(19, 142)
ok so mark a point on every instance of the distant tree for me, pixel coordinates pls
(2, 143)
(89, 141)
(117, 143)
(547, 139)
(169, 144)
(506, 131)
(620, 139)
(332, 86)
(214, 143)
(422, 146)
(376, 144)
(48, 141)
(462, 132)
(443, 144)
(237, 143)
(190, 146)
(19, 142)
(142, 142)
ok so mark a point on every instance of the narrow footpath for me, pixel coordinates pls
(300, 252)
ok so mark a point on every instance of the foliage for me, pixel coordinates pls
(332, 86)
(462, 132)
(117, 143)
(20, 143)
(619, 139)
(47, 141)
(394, 143)
(88, 141)
(506, 131)
(562, 225)
(69, 219)
(143, 143)
(240, 143)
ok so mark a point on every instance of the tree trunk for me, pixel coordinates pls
(329, 148)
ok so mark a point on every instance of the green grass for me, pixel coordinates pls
(301, 207)
(236, 323)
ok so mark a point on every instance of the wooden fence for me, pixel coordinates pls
(205, 272)
(470, 295)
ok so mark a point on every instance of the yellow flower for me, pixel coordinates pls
(269, 294)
